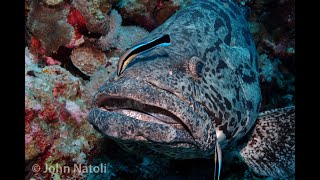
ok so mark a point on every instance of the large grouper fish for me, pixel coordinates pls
(198, 96)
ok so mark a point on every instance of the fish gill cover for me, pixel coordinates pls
(73, 47)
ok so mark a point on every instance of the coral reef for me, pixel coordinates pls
(149, 13)
(272, 24)
(56, 129)
(88, 59)
(53, 2)
(97, 80)
(119, 37)
(96, 20)
(49, 26)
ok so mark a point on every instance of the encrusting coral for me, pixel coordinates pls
(120, 37)
(96, 21)
(56, 129)
(149, 13)
(49, 25)
(88, 59)
(97, 80)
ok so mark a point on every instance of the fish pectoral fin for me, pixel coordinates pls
(270, 150)
(217, 161)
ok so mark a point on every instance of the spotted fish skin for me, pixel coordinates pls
(270, 150)
(207, 78)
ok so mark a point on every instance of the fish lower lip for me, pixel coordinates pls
(140, 111)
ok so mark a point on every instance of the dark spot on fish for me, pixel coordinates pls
(199, 67)
(182, 87)
(213, 71)
(227, 39)
(247, 65)
(237, 88)
(221, 106)
(214, 98)
(189, 88)
(232, 122)
(206, 28)
(226, 115)
(218, 23)
(206, 69)
(214, 106)
(243, 122)
(249, 78)
(249, 105)
(239, 115)
(175, 83)
(204, 80)
(221, 65)
(238, 71)
(195, 90)
(210, 49)
(213, 89)
(208, 97)
(219, 96)
(217, 121)
(227, 103)
(199, 40)
(197, 123)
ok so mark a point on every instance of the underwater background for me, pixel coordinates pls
(73, 46)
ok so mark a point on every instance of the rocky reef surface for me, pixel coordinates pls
(72, 46)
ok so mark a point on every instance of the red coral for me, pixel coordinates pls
(43, 140)
(58, 89)
(48, 113)
(64, 114)
(36, 48)
(28, 117)
(76, 19)
(90, 14)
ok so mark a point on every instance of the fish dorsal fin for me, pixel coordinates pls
(270, 150)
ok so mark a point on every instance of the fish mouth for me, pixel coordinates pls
(140, 111)
(133, 110)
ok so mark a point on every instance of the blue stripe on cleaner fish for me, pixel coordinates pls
(131, 53)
